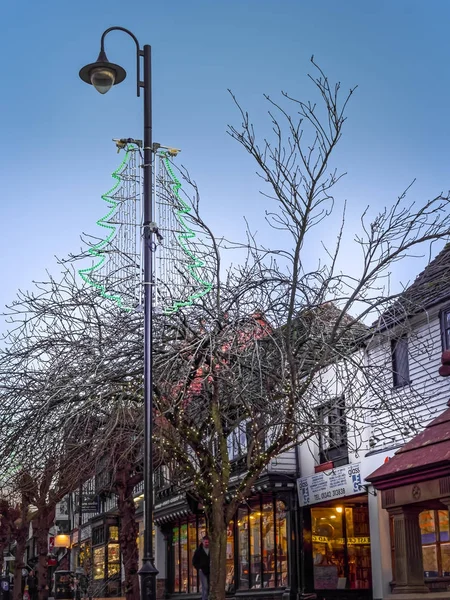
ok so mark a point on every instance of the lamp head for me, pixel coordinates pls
(102, 74)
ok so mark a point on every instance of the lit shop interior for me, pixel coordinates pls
(341, 546)
(257, 548)
(434, 529)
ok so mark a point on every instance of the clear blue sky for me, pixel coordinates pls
(57, 154)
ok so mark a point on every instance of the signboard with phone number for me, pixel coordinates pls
(330, 485)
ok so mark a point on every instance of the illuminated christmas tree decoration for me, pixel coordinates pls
(194, 264)
(116, 264)
(181, 275)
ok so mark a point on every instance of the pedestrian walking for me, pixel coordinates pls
(201, 561)
(32, 584)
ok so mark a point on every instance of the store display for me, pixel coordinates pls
(341, 547)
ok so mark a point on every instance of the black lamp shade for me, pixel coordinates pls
(102, 74)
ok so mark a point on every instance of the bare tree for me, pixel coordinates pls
(72, 405)
(275, 337)
(272, 338)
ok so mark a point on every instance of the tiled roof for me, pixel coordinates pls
(431, 287)
(426, 453)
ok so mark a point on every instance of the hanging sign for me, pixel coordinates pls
(330, 485)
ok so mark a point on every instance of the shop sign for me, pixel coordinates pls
(351, 541)
(62, 510)
(330, 485)
(86, 533)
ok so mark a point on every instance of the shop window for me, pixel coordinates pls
(99, 562)
(113, 560)
(184, 558)
(84, 557)
(281, 574)
(229, 580)
(341, 548)
(113, 533)
(445, 328)
(192, 546)
(98, 535)
(244, 548)
(262, 545)
(176, 553)
(333, 431)
(434, 530)
(185, 538)
(268, 526)
(400, 361)
(255, 549)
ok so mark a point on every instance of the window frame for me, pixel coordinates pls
(238, 440)
(445, 331)
(333, 447)
(400, 361)
(280, 570)
(437, 543)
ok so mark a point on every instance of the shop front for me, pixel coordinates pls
(415, 492)
(336, 534)
(259, 545)
(105, 557)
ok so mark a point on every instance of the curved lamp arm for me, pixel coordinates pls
(139, 53)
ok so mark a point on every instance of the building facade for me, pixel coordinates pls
(340, 516)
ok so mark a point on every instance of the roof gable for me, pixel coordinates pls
(425, 454)
(431, 287)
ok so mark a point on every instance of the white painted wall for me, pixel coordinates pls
(416, 404)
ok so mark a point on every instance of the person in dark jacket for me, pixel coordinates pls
(32, 584)
(200, 561)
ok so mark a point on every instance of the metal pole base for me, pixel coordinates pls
(147, 574)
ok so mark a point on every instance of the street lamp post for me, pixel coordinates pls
(103, 75)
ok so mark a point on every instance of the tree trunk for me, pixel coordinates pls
(41, 527)
(129, 532)
(21, 529)
(217, 531)
(19, 565)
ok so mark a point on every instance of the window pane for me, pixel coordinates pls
(400, 361)
(201, 528)
(99, 563)
(176, 554)
(281, 541)
(184, 557)
(427, 527)
(229, 582)
(328, 547)
(445, 559)
(358, 548)
(443, 526)
(113, 533)
(255, 548)
(268, 544)
(193, 543)
(243, 549)
(430, 566)
(113, 559)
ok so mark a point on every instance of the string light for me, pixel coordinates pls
(187, 234)
(97, 250)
